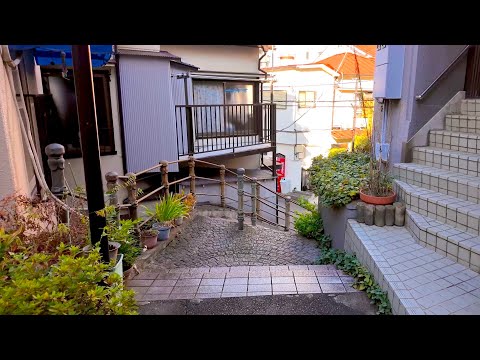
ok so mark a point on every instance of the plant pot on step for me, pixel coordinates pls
(378, 200)
(149, 238)
(163, 231)
(118, 268)
(179, 221)
(113, 247)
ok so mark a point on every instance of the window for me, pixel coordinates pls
(306, 99)
(279, 98)
(62, 122)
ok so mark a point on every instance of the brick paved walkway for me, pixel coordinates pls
(217, 282)
(213, 242)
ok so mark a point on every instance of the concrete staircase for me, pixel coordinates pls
(434, 265)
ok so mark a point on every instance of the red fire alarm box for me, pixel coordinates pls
(281, 171)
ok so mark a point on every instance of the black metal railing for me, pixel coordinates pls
(206, 128)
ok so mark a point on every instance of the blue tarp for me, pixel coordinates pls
(52, 54)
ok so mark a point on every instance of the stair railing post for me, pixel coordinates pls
(132, 196)
(191, 173)
(222, 185)
(287, 213)
(164, 172)
(240, 183)
(258, 198)
(254, 201)
(112, 191)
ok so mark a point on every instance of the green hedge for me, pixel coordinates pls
(337, 180)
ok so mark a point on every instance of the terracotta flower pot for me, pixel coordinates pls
(378, 200)
(149, 240)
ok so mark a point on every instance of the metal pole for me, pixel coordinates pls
(287, 213)
(87, 119)
(240, 180)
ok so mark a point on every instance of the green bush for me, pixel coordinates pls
(362, 144)
(335, 151)
(309, 224)
(66, 284)
(337, 180)
(363, 279)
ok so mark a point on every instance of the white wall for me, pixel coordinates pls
(313, 126)
(13, 162)
(228, 58)
(108, 162)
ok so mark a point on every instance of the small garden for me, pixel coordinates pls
(338, 180)
(50, 267)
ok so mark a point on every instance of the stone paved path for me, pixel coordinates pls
(218, 282)
(212, 242)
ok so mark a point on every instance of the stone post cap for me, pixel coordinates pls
(241, 171)
(111, 176)
(54, 149)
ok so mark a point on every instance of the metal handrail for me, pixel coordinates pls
(442, 74)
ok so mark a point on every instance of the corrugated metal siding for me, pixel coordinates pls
(178, 95)
(148, 112)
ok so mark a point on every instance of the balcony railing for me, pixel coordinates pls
(207, 128)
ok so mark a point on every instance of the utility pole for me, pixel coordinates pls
(87, 121)
(355, 115)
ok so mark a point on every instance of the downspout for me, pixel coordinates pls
(120, 109)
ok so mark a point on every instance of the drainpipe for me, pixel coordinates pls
(260, 59)
(120, 109)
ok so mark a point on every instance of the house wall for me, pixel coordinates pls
(404, 117)
(148, 112)
(227, 58)
(14, 175)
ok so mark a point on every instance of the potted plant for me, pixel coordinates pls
(166, 211)
(377, 189)
(148, 238)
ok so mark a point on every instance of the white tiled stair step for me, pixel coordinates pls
(459, 246)
(464, 187)
(418, 280)
(470, 107)
(450, 140)
(458, 161)
(461, 214)
(463, 123)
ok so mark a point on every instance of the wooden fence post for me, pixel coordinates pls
(112, 188)
(222, 185)
(240, 183)
(164, 171)
(191, 173)
(132, 195)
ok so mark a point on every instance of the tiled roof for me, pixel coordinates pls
(369, 49)
(346, 64)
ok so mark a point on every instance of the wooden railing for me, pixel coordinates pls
(260, 206)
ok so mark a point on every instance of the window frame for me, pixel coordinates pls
(303, 104)
(104, 74)
(281, 104)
